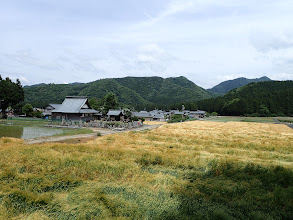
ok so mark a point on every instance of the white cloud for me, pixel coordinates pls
(14, 76)
(277, 48)
(282, 76)
(207, 41)
(173, 8)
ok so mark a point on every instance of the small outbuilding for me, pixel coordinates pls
(47, 113)
(143, 114)
(197, 114)
(115, 115)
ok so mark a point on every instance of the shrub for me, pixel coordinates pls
(214, 114)
(178, 118)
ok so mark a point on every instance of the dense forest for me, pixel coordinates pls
(228, 85)
(137, 92)
(271, 98)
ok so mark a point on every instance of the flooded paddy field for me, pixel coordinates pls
(25, 132)
(34, 129)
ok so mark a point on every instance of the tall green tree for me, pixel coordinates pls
(10, 93)
(28, 110)
(110, 102)
(96, 103)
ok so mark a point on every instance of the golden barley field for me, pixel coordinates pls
(154, 122)
(190, 170)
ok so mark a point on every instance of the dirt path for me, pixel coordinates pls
(96, 130)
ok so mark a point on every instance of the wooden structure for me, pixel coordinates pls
(75, 108)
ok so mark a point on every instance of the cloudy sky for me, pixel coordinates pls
(207, 41)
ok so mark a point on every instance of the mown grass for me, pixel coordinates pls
(24, 122)
(285, 119)
(241, 119)
(191, 170)
(70, 131)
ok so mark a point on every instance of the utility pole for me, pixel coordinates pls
(183, 108)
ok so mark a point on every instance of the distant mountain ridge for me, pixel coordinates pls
(133, 91)
(269, 98)
(228, 85)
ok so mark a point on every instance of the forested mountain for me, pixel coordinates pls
(256, 99)
(228, 85)
(139, 92)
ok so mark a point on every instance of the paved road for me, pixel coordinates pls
(102, 132)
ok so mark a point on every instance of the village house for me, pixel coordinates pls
(159, 117)
(115, 115)
(177, 112)
(47, 112)
(143, 114)
(75, 108)
(197, 114)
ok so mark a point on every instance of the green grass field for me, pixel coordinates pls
(190, 170)
(24, 121)
(241, 119)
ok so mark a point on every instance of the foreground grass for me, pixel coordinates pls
(192, 170)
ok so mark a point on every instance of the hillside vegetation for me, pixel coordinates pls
(140, 92)
(191, 170)
(272, 98)
(228, 85)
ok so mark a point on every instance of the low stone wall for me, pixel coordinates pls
(95, 124)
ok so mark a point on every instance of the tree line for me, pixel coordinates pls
(273, 98)
(11, 95)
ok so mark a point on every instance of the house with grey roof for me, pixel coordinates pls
(75, 108)
(143, 114)
(159, 117)
(47, 112)
(115, 115)
(197, 114)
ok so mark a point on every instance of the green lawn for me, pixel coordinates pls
(241, 119)
(25, 121)
(71, 131)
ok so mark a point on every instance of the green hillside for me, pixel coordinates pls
(259, 99)
(165, 91)
(134, 91)
(228, 85)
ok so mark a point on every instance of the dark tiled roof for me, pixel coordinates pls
(88, 111)
(141, 114)
(197, 112)
(159, 116)
(73, 104)
(55, 106)
(114, 112)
